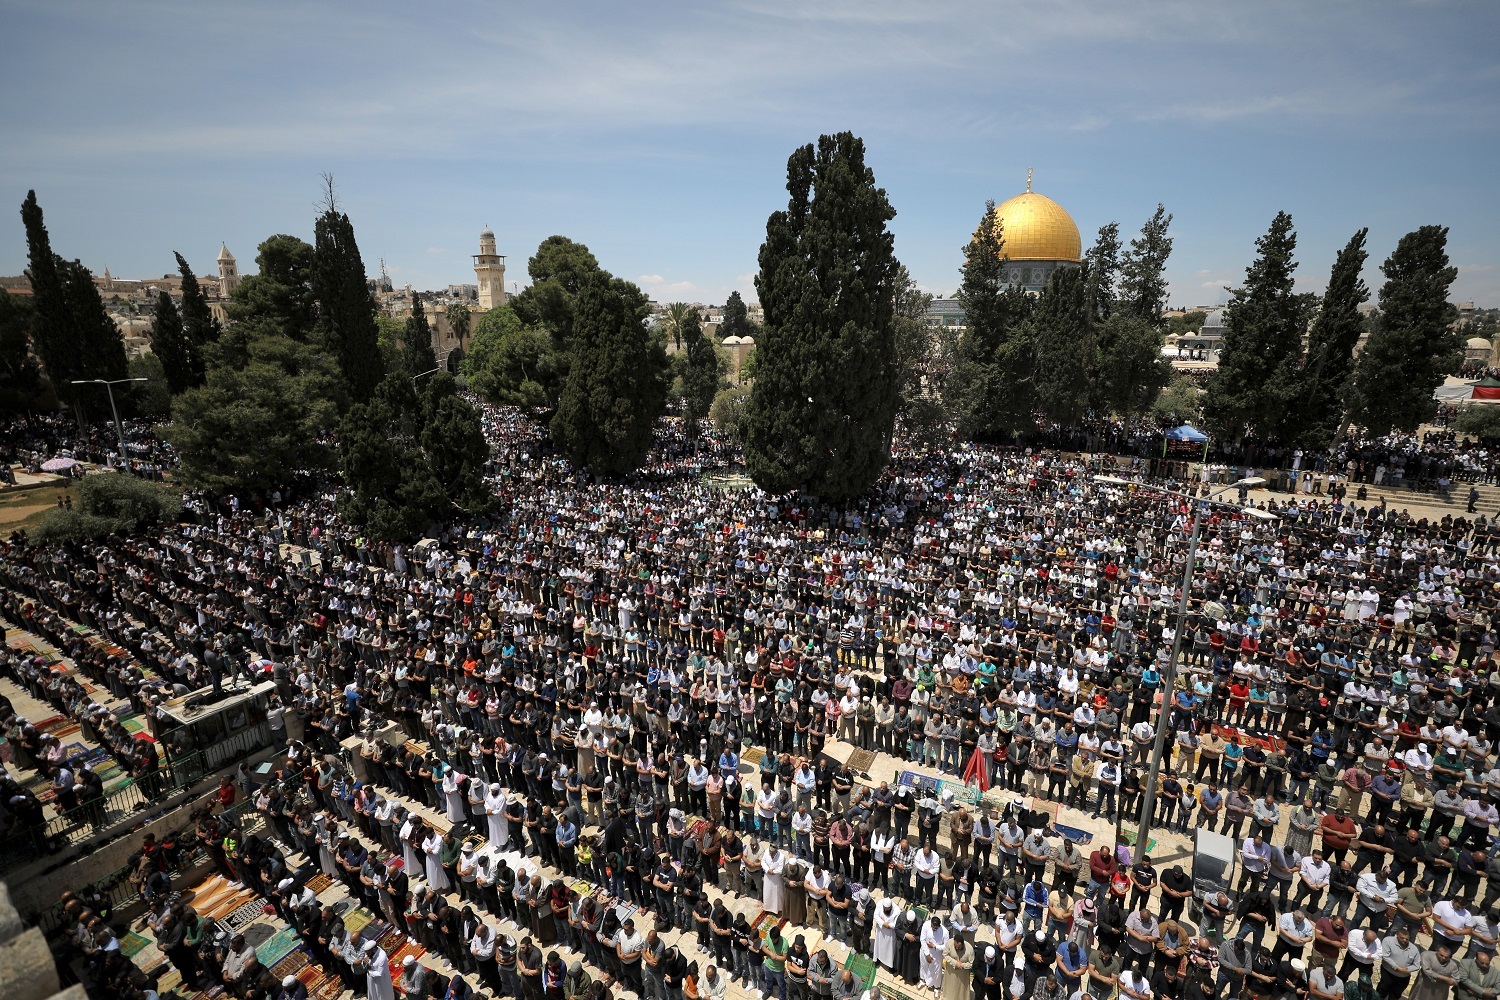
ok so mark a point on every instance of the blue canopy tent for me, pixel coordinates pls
(1186, 433)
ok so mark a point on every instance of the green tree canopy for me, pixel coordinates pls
(346, 309)
(1143, 286)
(1413, 343)
(73, 335)
(182, 362)
(994, 384)
(512, 363)
(109, 503)
(823, 407)
(417, 355)
(1323, 383)
(1063, 335)
(736, 322)
(1258, 363)
(255, 423)
(615, 387)
(702, 372)
(279, 300)
(20, 378)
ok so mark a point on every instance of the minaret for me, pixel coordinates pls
(489, 271)
(229, 276)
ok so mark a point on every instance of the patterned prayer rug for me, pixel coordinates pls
(280, 945)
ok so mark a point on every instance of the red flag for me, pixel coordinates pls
(976, 772)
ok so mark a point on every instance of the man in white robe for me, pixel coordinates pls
(886, 918)
(934, 937)
(494, 811)
(436, 877)
(377, 965)
(773, 886)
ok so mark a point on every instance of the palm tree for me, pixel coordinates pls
(675, 319)
(458, 321)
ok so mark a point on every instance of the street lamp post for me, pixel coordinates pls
(1169, 676)
(427, 372)
(109, 387)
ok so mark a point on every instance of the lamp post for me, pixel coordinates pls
(427, 372)
(1169, 676)
(109, 387)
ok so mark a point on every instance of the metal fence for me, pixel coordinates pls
(20, 846)
(120, 891)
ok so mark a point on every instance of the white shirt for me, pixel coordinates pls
(1457, 922)
(1366, 953)
(1314, 871)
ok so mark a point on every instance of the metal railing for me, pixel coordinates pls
(21, 846)
(117, 886)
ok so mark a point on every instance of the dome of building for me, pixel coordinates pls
(732, 341)
(1214, 320)
(486, 233)
(1477, 344)
(1037, 228)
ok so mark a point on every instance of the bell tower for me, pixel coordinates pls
(229, 275)
(489, 271)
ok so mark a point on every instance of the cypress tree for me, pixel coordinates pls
(736, 317)
(171, 347)
(417, 355)
(346, 309)
(701, 375)
(1062, 332)
(823, 407)
(1324, 382)
(993, 382)
(53, 335)
(100, 346)
(614, 389)
(1413, 343)
(198, 323)
(1259, 360)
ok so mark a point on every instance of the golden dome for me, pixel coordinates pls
(1037, 228)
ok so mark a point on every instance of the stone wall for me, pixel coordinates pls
(27, 971)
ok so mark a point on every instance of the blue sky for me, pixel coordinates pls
(658, 133)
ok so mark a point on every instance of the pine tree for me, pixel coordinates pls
(279, 300)
(1324, 380)
(1258, 363)
(701, 375)
(614, 389)
(736, 321)
(346, 309)
(53, 335)
(1129, 371)
(417, 355)
(172, 348)
(1413, 343)
(1143, 288)
(823, 407)
(993, 382)
(1062, 334)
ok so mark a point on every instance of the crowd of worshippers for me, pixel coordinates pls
(983, 608)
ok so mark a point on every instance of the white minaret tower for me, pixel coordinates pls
(229, 275)
(489, 271)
